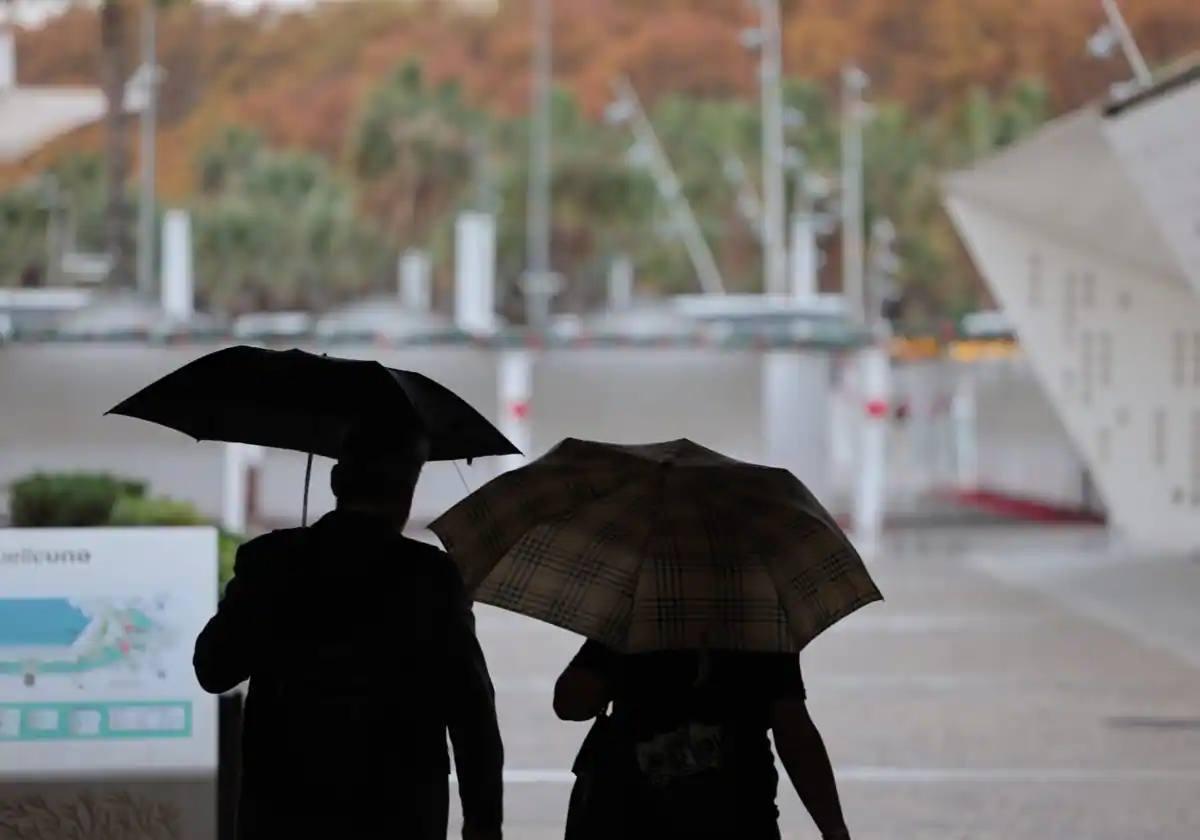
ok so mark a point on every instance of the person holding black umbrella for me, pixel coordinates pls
(361, 652)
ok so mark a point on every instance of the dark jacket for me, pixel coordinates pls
(360, 649)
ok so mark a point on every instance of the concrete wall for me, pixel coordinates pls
(1117, 349)
(53, 397)
(1023, 449)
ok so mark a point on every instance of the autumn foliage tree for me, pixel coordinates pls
(404, 113)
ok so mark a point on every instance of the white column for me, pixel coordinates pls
(178, 295)
(240, 459)
(796, 433)
(843, 426)
(8, 58)
(962, 409)
(416, 291)
(620, 283)
(804, 256)
(233, 488)
(515, 385)
(869, 500)
(475, 272)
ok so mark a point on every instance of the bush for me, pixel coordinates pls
(160, 511)
(227, 546)
(57, 500)
(164, 512)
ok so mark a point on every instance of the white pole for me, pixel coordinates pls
(1128, 45)
(774, 249)
(515, 380)
(415, 289)
(233, 488)
(869, 502)
(8, 57)
(966, 458)
(475, 272)
(148, 125)
(853, 83)
(177, 291)
(620, 283)
(804, 255)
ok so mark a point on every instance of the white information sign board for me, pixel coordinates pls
(97, 627)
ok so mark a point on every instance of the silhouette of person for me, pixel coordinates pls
(685, 752)
(360, 648)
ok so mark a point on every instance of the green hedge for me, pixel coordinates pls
(66, 500)
(161, 511)
(58, 500)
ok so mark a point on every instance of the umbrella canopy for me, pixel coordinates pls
(290, 399)
(667, 546)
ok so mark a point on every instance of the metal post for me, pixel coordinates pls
(770, 63)
(671, 191)
(853, 83)
(539, 282)
(145, 256)
(1128, 45)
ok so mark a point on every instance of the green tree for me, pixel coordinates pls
(278, 229)
(417, 149)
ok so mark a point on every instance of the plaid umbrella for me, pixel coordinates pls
(667, 546)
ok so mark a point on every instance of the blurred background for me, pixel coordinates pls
(940, 258)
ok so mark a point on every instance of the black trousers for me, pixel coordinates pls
(607, 808)
(420, 811)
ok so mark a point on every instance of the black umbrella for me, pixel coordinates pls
(290, 399)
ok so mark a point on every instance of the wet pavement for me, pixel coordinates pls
(1017, 683)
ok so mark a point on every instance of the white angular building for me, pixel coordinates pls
(1088, 233)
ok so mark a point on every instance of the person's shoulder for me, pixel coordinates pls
(262, 552)
(432, 562)
(423, 551)
(423, 554)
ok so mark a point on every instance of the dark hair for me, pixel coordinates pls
(357, 481)
(379, 462)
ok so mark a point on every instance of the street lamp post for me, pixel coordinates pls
(148, 126)
(771, 71)
(539, 282)
(854, 82)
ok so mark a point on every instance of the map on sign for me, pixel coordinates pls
(40, 637)
(96, 635)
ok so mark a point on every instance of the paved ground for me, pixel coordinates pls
(1016, 684)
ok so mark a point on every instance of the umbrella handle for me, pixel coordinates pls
(307, 476)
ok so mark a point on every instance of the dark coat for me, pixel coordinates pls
(360, 649)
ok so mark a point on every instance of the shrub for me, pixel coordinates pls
(159, 510)
(227, 546)
(56, 500)
(165, 512)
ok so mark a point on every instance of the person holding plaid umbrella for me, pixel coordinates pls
(696, 579)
